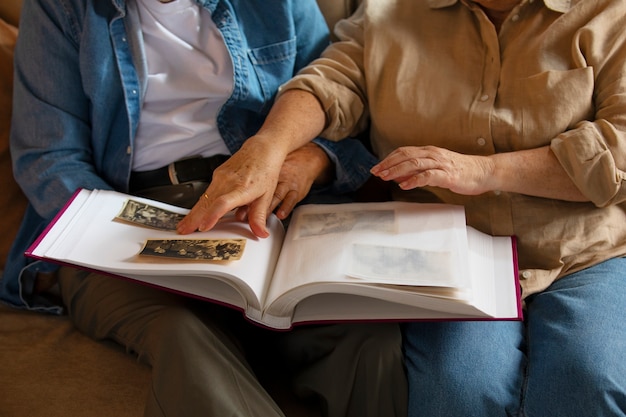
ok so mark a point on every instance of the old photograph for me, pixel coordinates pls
(399, 265)
(195, 249)
(316, 224)
(146, 215)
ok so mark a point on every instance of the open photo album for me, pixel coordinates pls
(335, 262)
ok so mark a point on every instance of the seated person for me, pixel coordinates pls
(127, 94)
(516, 110)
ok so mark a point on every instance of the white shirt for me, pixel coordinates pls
(190, 76)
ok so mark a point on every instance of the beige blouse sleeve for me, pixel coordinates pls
(337, 79)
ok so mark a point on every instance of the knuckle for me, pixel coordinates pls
(405, 151)
(415, 162)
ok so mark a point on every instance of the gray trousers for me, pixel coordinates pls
(204, 357)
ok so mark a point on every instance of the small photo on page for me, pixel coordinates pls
(146, 215)
(195, 249)
(400, 266)
(318, 224)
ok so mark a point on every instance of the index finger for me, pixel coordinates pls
(206, 213)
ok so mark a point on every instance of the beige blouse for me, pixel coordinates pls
(436, 72)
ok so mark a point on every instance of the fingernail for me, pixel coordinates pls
(383, 174)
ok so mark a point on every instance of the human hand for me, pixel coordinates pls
(247, 180)
(414, 166)
(303, 167)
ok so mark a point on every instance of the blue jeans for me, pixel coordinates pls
(568, 358)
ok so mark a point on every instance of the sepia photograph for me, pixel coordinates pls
(146, 215)
(195, 249)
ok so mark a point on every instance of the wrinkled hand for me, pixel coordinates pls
(413, 167)
(302, 168)
(247, 180)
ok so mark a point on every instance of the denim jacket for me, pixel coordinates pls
(80, 76)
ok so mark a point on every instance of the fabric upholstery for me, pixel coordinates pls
(12, 201)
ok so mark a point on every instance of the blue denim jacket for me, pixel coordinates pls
(79, 79)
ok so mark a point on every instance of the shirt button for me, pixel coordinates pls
(526, 274)
(515, 17)
(481, 141)
(134, 92)
(497, 192)
(484, 97)
(128, 150)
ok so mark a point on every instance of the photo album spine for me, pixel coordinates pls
(518, 287)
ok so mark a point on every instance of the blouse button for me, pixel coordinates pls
(515, 17)
(481, 141)
(526, 274)
(484, 97)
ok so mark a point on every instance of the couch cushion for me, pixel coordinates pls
(48, 368)
(10, 11)
(12, 201)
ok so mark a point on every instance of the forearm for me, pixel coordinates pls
(295, 119)
(534, 172)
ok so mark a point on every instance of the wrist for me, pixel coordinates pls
(321, 166)
(326, 172)
(495, 172)
(268, 142)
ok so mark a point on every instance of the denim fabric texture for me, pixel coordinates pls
(77, 129)
(566, 360)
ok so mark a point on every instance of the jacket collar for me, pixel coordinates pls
(560, 6)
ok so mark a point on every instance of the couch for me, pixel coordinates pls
(47, 367)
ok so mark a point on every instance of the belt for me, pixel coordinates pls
(179, 172)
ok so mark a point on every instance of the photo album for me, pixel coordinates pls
(383, 261)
